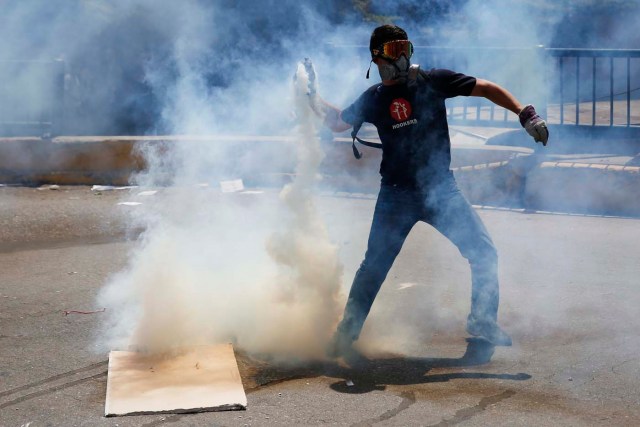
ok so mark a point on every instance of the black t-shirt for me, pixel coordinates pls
(411, 119)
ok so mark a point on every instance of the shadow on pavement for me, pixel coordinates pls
(364, 375)
(374, 374)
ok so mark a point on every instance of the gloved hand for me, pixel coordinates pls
(312, 85)
(534, 124)
(307, 86)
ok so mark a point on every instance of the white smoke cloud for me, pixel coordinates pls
(217, 266)
(214, 266)
(236, 267)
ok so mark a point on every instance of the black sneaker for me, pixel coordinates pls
(341, 347)
(488, 330)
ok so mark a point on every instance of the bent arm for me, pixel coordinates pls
(332, 118)
(529, 119)
(496, 94)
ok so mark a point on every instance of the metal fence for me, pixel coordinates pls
(505, 66)
(591, 83)
(31, 98)
(586, 89)
(581, 89)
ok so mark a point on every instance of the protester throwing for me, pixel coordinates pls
(408, 110)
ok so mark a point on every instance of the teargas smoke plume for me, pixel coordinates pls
(218, 267)
(211, 268)
(310, 271)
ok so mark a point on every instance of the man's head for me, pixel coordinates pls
(390, 51)
(386, 33)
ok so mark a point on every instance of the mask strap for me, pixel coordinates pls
(369, 68)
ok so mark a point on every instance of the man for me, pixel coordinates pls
(408, 110)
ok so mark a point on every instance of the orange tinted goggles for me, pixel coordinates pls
(393, 50)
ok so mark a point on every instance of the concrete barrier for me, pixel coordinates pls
(595, 188)
(115, 160)
(68, 161)
(488, 174)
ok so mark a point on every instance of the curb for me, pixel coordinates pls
(114, 160)
(584, 187)
(68, 161)
(487, 174)
(632, 170)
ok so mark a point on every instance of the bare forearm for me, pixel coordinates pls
(332, 118)
(529, 119)
(497, 94)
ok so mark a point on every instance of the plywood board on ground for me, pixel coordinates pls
(203, 378)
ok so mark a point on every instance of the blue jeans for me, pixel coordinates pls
(397, 211)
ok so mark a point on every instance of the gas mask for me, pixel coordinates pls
(397, 70)
(397, 54)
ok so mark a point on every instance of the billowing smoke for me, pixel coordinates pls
(309, 271)
(217, 266)
(121, 60)
(108, 48)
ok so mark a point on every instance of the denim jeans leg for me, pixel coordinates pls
(456, 219)
(393, 218)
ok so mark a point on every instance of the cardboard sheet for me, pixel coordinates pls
(197, 379)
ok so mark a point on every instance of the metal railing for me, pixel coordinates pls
(505, 66)
(571, 88)
(599, 62)
(578, 88)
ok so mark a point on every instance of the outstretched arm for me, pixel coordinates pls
(327, 112)
(496, 94)
(332, 118)
(529, 119)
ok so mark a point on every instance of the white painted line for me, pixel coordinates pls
(111, 187)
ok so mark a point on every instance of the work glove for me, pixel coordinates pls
(534, 124)
(312, 85)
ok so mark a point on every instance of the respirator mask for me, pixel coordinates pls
(397, 53)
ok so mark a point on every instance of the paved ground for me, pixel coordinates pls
(569, 298)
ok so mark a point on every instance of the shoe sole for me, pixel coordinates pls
(495, 343)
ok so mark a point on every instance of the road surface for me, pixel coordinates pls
(570, 299)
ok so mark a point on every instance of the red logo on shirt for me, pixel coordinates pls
(400, 109)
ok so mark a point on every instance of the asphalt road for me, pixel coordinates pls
(570, 299)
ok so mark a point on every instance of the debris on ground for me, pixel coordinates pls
(49, 187)
(232, 186)
(68, 312)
